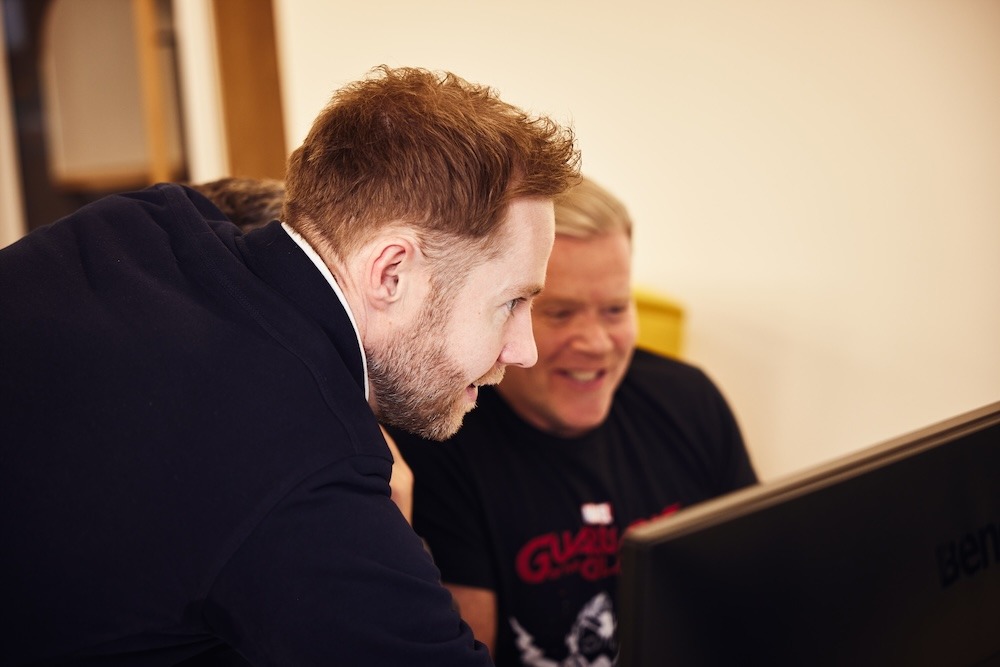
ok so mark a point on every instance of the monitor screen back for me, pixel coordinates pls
(889, 557)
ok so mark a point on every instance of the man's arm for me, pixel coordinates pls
(401, 480)
(334, 575)
(448, 515)
(478, 607)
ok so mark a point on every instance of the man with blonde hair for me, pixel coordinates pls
(525, 507)
(192, 466)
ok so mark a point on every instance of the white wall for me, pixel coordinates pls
(201, 96)
(819, 183)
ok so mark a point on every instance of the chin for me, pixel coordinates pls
(447, 425)
(573, 428)
(592, 419)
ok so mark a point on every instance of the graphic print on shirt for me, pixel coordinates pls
(590, 642)
(590, 554)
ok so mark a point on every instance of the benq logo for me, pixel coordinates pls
(969, 554)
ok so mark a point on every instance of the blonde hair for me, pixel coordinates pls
(587, 210)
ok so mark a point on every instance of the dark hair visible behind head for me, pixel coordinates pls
(424, 149)
(248, 202)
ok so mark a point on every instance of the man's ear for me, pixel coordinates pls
(390, 268)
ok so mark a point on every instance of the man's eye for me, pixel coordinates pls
(615, 311)
(558, 315)
(513, 303)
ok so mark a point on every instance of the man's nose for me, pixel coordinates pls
(592, 336)
(520, 349)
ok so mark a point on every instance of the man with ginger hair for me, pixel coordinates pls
(525, 507)
(193, 466)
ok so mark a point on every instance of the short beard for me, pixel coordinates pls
(416, 384)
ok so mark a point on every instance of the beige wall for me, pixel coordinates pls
(817, 182)
(201, 98)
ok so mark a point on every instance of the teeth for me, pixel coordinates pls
(583, 376)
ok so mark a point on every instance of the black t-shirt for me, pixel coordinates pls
(539, 519)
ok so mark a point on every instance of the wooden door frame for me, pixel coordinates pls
(250, 88)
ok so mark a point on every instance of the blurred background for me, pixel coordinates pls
(816, 183)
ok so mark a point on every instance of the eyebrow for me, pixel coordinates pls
(559, 303)
(563, 302)
(526, 291)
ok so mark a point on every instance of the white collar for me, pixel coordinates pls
(321, 265)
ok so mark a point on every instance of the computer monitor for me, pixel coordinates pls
(890, 556)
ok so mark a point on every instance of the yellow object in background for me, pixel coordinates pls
(661, 323)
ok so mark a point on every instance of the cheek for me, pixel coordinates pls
(625, 335)
(549, 341)
(475, 345)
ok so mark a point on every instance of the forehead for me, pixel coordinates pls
(523, 243)
(586, 265)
